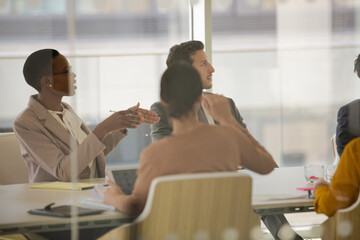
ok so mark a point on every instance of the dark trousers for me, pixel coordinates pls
(274, 222)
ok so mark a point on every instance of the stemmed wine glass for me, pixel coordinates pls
(313, 172)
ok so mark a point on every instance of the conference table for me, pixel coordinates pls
(17, 199)
(277, 193)
(272, 194)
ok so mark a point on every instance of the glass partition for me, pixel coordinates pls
(118, 53)
(117, 49)
(287, 64)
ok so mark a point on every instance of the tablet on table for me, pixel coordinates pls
(123, 176)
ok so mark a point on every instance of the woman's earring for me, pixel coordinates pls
(50, 85)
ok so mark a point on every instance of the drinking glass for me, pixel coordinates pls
(313, 172)
(330, 171)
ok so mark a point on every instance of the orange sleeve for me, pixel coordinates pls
(344, 187)
(325, 201)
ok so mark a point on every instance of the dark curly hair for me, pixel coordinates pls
(183, 52)
(37, 65)
(180, 87)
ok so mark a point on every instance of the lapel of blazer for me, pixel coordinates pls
(201, 114)
(50, 122)
(83, 126)
(100, 159)
(202, 117)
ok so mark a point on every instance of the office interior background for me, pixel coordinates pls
(288, 64)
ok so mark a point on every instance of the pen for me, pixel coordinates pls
(130, 115)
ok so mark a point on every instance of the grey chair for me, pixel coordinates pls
(13, 169)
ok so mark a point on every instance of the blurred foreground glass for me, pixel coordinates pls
(313, 173)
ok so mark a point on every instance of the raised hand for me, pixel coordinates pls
(119, 121)
(218, 107)
(124, 119)
(149, 117)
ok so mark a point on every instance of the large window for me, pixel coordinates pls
(289, 67)
(92, 26)
(117, 49)
(287, 64)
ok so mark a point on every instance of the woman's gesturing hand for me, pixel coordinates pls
(149, 117)
(131, 118)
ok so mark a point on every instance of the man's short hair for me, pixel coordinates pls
(357, 65)
(183, 52)
(38, 64)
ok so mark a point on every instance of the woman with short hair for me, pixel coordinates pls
(50, 133)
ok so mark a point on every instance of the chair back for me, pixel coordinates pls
(12, 165)
(335, 152)
(344, 225)
(192, 206)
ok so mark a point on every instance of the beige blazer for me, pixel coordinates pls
(46, 146)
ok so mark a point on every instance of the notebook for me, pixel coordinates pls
(64, 186)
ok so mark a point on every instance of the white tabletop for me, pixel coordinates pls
(272, 193)
(17, 199)
(277, 191)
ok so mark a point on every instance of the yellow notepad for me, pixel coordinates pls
(64, 185)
